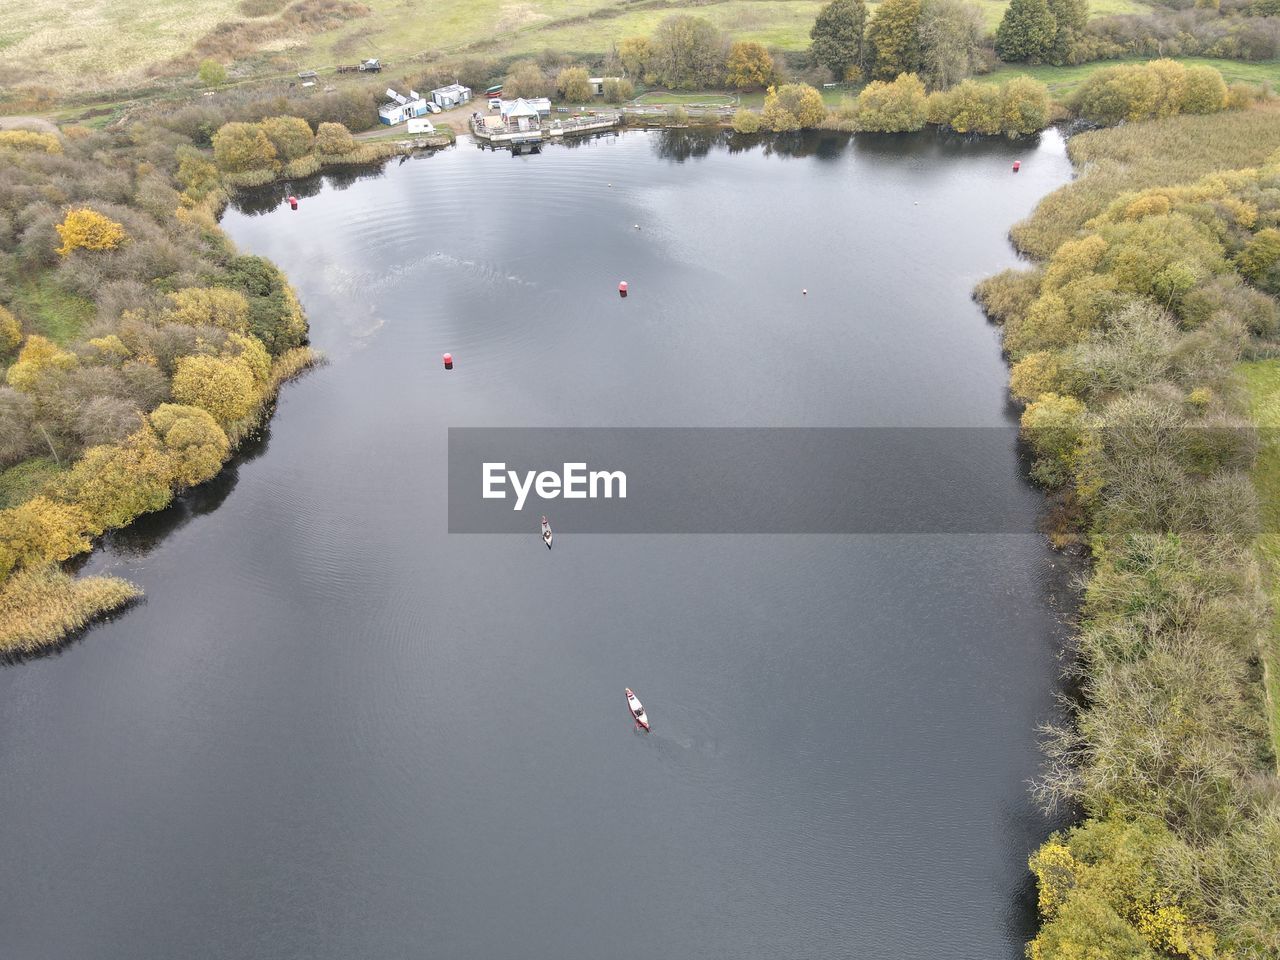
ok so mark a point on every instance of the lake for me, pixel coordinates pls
(335, 730)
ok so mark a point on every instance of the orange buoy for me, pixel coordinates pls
(293, 203)
(622, 289)
(1017, 165)
(448, 361)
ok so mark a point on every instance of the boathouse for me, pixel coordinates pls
(448, 97)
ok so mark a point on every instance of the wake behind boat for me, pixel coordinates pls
(637, 710)
(546, 532)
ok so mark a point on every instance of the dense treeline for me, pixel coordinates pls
(941, 41)
(1125, 342)
(253, 154)
(137, 347)
(684, 53)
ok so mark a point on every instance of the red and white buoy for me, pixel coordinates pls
(622, 289)
(1017, 165)
(293, 203)
(448, 361)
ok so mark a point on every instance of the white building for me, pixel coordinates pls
(420, 125)
(402, 108)
(520, 114)
(597, 84)
(531, 111)
(450, 96)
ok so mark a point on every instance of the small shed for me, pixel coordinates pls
(420, 125)
(450, 96)
(597, 84)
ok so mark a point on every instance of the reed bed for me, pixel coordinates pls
(40, 608)
(1137, 156)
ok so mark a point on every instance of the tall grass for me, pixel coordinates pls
(25, 480)
(1262, 381)
(39, 608)
(1137, 156)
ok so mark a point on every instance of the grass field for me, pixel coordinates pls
(24, 480)
(102, 45)
(1262, 379)
(1063, 80)
(55, 313)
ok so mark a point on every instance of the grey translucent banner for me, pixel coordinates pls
(748, 480)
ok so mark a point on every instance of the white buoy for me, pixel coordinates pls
(637, 226)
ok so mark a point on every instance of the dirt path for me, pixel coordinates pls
(28, 123)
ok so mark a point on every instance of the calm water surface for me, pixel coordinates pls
(335, 731)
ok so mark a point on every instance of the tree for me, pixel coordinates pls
(746, 121)
(894, 37)
(250, 351)
(1024, 106)
(114, 483)
(526, 79)
(1254, 261)
(1070, 19)
(212, 73)
(634, 53)
(334, 140)
(291, 136)
(1036, 374)
(973, 107)
(688, 53)
(1027, 32)
(39, 356)
(197, 175)
(1088, 927)
(896, 107)
(793, 106)
(38, 532)
(223, 387)
(618, 89)
(749, 66)
(196, 445)
(86, 229)
(574, 85)
(210, 306)
(839, 38)
(239, 147)
(951, 41)
(1054, 425)
(1204, 90)
(1135, 92)
(1170, 82)
(10, 332)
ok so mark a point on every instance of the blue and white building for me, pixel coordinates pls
(402, 108)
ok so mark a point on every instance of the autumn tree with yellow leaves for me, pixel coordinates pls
(224, 387)
(86, 229)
